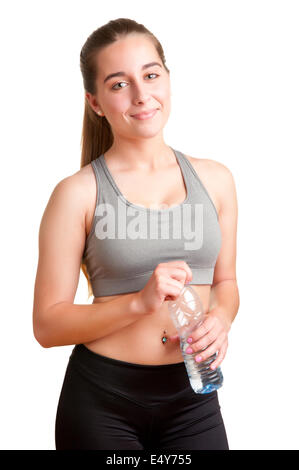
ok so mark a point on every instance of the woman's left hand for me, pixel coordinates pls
(212, 334)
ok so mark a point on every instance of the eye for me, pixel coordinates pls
(114, 87)
(119, 83)
(152, 74)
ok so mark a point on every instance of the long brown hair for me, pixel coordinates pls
(97, 136)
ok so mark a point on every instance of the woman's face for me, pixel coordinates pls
(136, 89)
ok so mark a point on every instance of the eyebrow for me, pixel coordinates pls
(122, 74)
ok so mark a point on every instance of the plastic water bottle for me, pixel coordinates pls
(187, 314)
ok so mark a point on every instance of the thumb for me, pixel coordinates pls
(174, 338)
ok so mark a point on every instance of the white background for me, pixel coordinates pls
(235, 99)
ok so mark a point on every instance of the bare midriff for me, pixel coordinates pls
(141, 341)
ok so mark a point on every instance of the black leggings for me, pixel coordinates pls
(109, 404)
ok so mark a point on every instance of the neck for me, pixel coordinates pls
(143, 154)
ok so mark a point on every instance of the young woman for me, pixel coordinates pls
(117, 218)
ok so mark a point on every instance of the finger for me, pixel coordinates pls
(202, 330)
(220, 357)
(174, 282)
(187, 270)
(167, 282)
(204, 341)
(175, 279)
(174, 338)
(203, 355)
(181, 266)
(177, 273)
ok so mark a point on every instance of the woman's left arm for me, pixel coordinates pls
(224, 298)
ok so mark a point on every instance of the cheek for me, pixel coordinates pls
(164, 99)
(164, 89)
(119, 103)
(115, 103)
(163, 95)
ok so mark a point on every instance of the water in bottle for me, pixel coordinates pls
(187, 314)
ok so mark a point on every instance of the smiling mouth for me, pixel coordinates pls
(143, 116)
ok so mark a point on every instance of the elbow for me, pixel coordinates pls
(41, 336)
(41, 339)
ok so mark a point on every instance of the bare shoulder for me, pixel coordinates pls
(73, 194)
(217, 178)
(212, 167)
(85, 181)
(81, 184)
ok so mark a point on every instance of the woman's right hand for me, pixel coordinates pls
(166, 283)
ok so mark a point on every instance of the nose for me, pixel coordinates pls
(140, 94)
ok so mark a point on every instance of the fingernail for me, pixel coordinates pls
(198, 359)
(189, 350)
(189, 340)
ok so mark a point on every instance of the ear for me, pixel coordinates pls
(93, 102)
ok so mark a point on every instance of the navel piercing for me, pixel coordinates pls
(164, 338)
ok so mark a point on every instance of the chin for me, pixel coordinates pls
(148, 133)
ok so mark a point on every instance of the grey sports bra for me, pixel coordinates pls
(127, 241)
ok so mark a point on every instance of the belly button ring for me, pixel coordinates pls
(164, 338)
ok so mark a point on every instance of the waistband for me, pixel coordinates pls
(141, 382)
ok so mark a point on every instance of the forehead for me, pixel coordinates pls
(127, 53)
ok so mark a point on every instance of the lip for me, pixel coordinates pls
(145, 115)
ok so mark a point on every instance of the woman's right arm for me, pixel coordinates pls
(57, 321)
